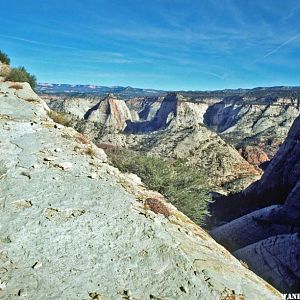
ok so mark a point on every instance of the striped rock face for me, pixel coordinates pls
(110, 112)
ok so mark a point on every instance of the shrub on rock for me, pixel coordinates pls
(4, 70)
(4, 58)
(20, 74)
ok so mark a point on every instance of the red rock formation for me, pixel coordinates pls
(110, 112)
(253, 155)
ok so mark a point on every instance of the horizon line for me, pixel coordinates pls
(171, 90)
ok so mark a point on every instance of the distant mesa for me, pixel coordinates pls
(90, 89)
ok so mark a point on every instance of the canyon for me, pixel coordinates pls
(75, 227)
(241, 145)
(268, 211)
(69, 216)
(254, 121)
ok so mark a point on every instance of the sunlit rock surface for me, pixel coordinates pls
(73, 227)
(267, 238)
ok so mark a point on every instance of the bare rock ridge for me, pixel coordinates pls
(172, 110)
(254, 121)
(269, 211)
(74, 227)
(110, 112)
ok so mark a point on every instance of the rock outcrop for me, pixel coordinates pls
(254, 155)
(269, 212)
(173, 111)
(75, 106)
(254, 121)
(74, 227)
(276, 259)
(110, 112)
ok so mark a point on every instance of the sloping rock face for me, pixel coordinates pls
(110, 112)
(280, 178)
(144, 108)
(252, 121)
(272, 244)
(277, 262)
(76, 106)
(173, 111)
(73, 227)
(226, 170)
(254, 155)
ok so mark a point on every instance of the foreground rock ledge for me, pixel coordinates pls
(74, 227)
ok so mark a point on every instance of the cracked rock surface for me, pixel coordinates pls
(74, 227)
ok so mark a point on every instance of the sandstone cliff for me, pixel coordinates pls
(173, 111)
(144, 108)
(73, 227)
(110, 112)
(75, 106)
(177, 131)
(254, 121)
(272, 244)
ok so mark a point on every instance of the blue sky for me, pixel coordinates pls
(167, 44)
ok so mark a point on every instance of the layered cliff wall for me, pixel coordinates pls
(110, 112)
(262, 122)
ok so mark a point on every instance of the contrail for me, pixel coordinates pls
(281, 45)
(36, 42)
(213, 74)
